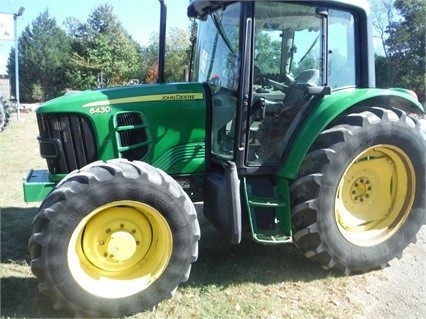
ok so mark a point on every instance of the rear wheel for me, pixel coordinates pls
(375, 195)
(360, 197)
(114, 238)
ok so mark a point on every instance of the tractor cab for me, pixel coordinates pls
(266, 65)
(263, 62)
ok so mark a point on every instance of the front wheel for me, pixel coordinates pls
(359, 199)
(114, 238)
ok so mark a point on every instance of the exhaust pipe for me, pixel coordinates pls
(162, 42)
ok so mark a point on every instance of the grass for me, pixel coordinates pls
(244, 281)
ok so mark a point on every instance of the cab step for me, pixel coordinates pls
(268, 208)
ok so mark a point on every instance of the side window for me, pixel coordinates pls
(341, 48)
(287, 62)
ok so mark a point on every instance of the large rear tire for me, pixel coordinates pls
(359, 199)
(113, 238)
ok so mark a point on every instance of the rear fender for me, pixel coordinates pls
(330, 107)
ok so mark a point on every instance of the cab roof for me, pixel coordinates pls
(198, 9)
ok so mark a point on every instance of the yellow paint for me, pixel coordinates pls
(375, 195)
(119, 249)
(148, 98)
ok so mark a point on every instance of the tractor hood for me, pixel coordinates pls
(85, 101)
(142, 122)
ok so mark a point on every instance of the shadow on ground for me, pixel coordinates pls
(222, 263)
(219, 263)
(20, 297)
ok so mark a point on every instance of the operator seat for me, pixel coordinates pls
(296, 95)
(279, 115)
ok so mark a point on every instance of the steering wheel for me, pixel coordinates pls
(297, 95)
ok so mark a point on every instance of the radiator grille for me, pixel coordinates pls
(73, 139)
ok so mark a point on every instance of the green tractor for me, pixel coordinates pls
(279, 132)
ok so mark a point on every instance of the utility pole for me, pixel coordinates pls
(15, 18)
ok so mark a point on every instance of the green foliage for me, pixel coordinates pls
(266, 54)
(404, 65)
(52, 60)
(176, 55)
(382, 71)
(102, 45)
(43, 57)
(150, 59)
(178, 50)
(406, 44)
(37, 92)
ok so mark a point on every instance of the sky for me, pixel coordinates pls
(139, 17)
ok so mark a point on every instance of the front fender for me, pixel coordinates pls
(330, 107)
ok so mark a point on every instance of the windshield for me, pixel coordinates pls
(217, 62)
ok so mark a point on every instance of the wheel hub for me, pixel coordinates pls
(361, 190)
(121, 246)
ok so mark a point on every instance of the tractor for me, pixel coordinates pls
(279, 131)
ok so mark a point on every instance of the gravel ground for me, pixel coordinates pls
(398, 291)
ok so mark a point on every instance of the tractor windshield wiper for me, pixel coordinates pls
(310, 48)
(221, 31)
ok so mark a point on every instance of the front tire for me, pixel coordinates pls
(113, 238)
(359, 199)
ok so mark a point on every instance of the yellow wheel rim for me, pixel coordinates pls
(375, 195)
(119, 249)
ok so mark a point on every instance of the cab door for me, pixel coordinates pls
(218, 65)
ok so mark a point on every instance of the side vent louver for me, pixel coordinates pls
(132, 135)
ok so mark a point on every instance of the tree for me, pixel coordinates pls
(53, 60)
(177, 55)
(406, 47)
(43, 58)
(150, 59)
(266, 54)
(383, 71)
(37, 92)
(400, 26)
(152, 75)
(383, 13)
(102, 45)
